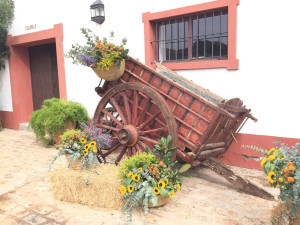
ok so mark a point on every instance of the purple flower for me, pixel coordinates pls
(87, 59)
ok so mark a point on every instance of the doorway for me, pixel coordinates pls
(44, 74)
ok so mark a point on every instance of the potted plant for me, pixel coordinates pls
(80, 147)
(105, 58)
(149, 181)
(54, 117)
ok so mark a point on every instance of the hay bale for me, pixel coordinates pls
(103, 190)
(277, 213)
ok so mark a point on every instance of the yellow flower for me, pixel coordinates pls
(95, 149)
(161, 184)
(87, 147)
(172, 195)
(140, 169)
(166, 181)
(271, 177)
(270, 151)
(282, 159)
(123, 190)
(130, 174)
(155, 190)
(178, 187)
(85, 152)
(135, 177)
(93, 143)
(130, 188)
(272, 157)
(82, 140)
(263, 161)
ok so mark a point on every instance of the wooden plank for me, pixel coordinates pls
(212, 145)
(236, 180)
(210, 153)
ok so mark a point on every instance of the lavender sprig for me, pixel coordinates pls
(87, 59)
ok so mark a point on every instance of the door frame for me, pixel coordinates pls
(20, 75)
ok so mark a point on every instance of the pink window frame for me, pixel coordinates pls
(231, 63)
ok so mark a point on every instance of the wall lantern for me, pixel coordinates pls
(97, 12)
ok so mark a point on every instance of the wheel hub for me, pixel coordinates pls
(128, 135)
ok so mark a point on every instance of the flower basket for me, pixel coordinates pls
(161, 200)
(113, 73)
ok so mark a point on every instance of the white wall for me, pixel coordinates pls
(5, 90)
(267, 80)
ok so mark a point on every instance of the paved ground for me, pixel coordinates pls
(26, 198)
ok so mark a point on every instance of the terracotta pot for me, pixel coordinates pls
(113, 73)
(161, 200)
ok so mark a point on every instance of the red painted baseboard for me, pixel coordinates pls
(233, 156)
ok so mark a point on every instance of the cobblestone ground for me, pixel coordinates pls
(26, 197)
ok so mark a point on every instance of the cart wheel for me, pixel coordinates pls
(140, 116)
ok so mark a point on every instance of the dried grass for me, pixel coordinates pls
(103, 190)
(278, 210)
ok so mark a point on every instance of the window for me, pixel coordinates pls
(193, 37)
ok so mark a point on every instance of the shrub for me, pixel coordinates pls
(54, 116)
(136, 161)
(68, 133)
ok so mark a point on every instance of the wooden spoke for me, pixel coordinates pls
(121, 155)
(119, 110)
(114, 138)
(108, 127)
(143, 145)
(149, 140)
(111, 150)
(112, 117)
(133, 150)
(145, 109)
(149, 120)
(138, 148)
(135, 106)
(127, 108)
(152, 131)
(129, 152)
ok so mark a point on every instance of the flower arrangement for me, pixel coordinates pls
(151, 179)
(81, 147)
(282, 167)
(100, 54)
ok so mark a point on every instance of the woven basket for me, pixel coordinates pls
(161, 200)
(113, 73)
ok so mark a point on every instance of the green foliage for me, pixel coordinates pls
(97, 53)
(6, 18)
(68, 133)
(54, 116)
(164, 149)
(136, 161)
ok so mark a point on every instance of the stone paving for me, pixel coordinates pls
(26, 197)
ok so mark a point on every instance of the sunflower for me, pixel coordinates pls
(272, 157)
(271, 177)
(140, 169)
(130, 188)
(166, 181)
(172, 194)
(87, 147)
(270, 151)
(93, 143)
(130, 174)
(135, 177)
(178, 187)
(263, 161)
(155, 190)
(82, 140)
(161, 184)
(123, 190)
(85, 152)
(95, 149)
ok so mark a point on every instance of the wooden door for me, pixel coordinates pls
(44, 76)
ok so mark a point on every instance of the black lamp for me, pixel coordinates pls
(97, 12)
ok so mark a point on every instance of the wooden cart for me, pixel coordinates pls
(145, 105)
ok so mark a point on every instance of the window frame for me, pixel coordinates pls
(231, 63)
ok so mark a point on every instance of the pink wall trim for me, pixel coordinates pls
(20, 76)
(233, 156)
(232, 63)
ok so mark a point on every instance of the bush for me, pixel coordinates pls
(136, 161)
(68, 133)
(54, 116)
